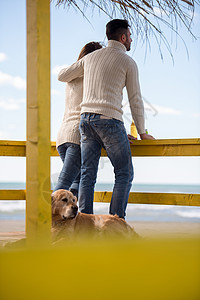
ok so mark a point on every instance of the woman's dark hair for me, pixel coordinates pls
(115, 28)
(88, 48)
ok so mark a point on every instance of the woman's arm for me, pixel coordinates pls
(71, 72)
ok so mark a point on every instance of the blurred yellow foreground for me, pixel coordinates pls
(142, 269)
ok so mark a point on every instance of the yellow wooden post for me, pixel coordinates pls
(38, 147)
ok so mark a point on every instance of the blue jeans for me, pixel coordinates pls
(110, 134)
(69, 177)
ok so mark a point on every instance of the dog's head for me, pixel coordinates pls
(64, 204)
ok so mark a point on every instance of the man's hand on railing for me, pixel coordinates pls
(145, 136)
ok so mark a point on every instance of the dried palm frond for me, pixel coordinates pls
(146, 17)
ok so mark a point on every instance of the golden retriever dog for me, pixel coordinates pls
(68, 222)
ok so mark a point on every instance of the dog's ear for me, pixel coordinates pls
(53, 203)
(53, 199)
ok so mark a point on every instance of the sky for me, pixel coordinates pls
(171, 90)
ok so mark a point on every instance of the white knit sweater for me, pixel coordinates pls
(106, 72)
(69, 130)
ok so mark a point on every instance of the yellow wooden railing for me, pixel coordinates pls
(176, 147)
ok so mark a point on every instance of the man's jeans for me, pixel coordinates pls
(69, 177)
(96, 133)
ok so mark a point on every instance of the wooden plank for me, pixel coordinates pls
(12, 148)
(182, 147)
(135, 198)
(12, 143)
(166, 150)
(172, 147)
(12, 194)
(54, 151)
(166, 147)
(154, 198)
(193, 141)
(38, 146)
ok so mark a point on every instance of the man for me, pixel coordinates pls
(106, 72)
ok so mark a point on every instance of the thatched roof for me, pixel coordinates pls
(147, 17)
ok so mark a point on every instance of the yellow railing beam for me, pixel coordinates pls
(13, 148)
(153, 198)
(171, 147)
(12, 194)
(38, 145)
(134, 197)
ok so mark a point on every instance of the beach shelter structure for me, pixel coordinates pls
(141, 270)
(38, 144)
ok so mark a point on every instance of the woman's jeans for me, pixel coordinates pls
(96, 133)
(69, 177)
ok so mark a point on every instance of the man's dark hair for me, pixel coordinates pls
(115, 28)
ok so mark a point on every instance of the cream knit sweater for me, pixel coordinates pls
(69, 130)
(106, 72)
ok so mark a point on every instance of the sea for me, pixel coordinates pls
(15, 210)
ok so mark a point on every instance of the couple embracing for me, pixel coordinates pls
(93, 118)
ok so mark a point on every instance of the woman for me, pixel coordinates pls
(68, 139)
